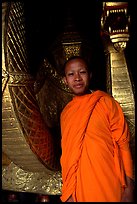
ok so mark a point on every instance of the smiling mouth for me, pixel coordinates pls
(78, 86)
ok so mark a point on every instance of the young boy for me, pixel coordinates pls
(96, 159)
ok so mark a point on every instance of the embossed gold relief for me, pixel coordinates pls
(26, 139)
(71, 50)
(5, 74)
(115, 35)
(115, 21)
(17, 179)
(25, 124)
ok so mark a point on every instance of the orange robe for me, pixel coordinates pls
(95, 149)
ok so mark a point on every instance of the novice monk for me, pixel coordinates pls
(96, 159)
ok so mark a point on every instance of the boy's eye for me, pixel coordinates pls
(70, 74)
(83, 72)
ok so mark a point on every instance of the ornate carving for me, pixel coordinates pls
(26, 139)
(115, 22)
(115, 35)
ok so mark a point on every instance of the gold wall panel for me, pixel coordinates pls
(119, 81)
(26, 139)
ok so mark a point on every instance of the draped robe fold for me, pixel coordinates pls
(95, 149)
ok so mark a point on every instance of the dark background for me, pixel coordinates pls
(45, 20)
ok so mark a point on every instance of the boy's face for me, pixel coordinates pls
(77, 76)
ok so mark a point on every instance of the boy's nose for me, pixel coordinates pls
(77, 77)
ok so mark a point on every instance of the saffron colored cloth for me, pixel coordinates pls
(95, 149)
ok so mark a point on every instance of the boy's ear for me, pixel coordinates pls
(65, 81)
